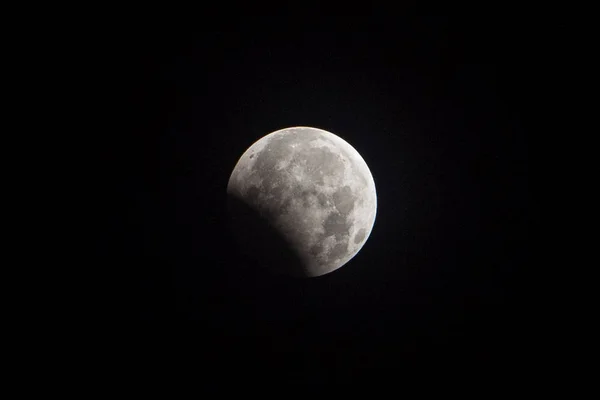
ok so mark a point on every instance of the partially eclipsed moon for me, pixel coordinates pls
(302, 201)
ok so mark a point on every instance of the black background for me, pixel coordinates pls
(436, 108)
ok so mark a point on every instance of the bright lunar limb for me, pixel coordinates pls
(302, 201)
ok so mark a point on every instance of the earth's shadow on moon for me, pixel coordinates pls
(262, 244)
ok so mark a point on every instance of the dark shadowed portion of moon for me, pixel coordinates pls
(302, 201)
(258, 237)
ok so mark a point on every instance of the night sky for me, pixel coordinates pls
(435, 106)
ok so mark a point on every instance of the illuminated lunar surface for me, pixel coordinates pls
(302, 201)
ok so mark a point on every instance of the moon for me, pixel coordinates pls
(301, 201)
